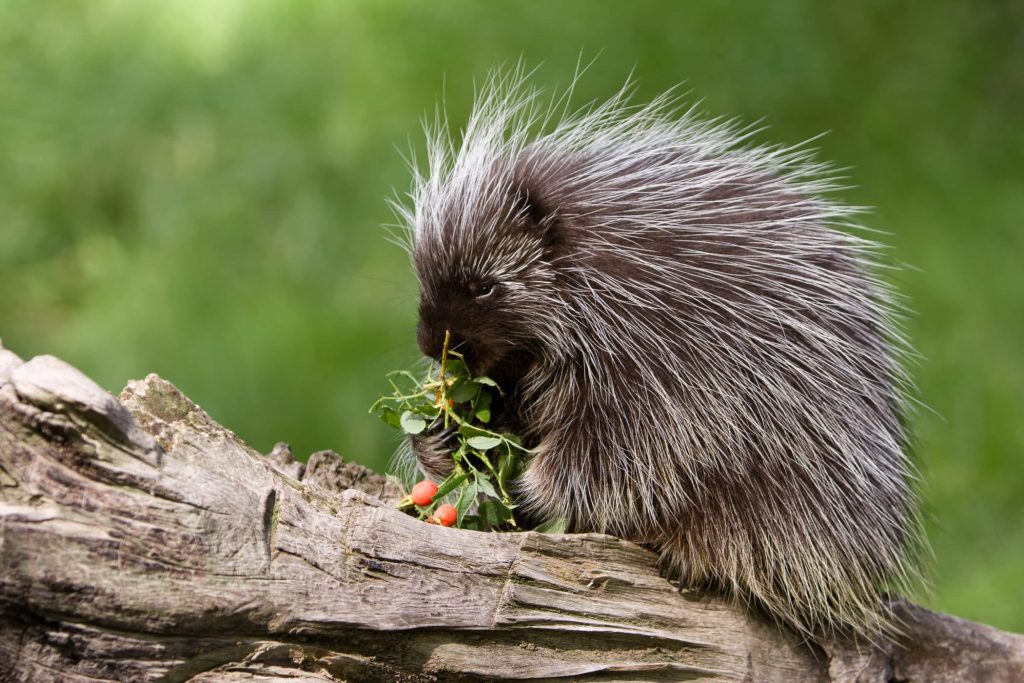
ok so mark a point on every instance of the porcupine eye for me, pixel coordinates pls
(481, 290)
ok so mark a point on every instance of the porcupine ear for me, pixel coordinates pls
(539, 213)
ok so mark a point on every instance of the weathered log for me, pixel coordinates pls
(143, 541)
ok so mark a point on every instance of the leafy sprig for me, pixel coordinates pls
(486, 460)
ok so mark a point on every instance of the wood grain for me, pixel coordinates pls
(143, 541)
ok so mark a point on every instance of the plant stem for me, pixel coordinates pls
(444, 386)
(444, 353)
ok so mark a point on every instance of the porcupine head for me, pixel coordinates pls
(691, 338)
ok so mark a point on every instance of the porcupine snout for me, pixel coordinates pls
(435, 322)
(430, 338)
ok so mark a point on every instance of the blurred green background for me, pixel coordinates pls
(196, 189)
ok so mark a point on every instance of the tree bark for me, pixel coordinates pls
(143, 541)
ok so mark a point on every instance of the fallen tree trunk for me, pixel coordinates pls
(142, 541)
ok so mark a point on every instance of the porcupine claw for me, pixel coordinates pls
(671, 572)
(433, 452)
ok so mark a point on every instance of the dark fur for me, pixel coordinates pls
(777, 474)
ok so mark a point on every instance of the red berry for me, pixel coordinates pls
(423, 492)
(446, 515)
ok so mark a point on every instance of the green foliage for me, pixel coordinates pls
(485, 461)
(194, 188)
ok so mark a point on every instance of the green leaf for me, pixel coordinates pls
(470, 430)
(455, 368)
(513, 440)
(453, 481)
(412, 423)
(558, 525)
(507, 467)
(486, 487)
(391, 417)
(429, 410)
(463, 391)
(486, 380)
(493, 513)
(473, 522)
(466, 500)
(482, 407)
(484, 443)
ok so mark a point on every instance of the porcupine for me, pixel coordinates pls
(693, 339)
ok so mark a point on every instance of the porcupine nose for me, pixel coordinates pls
(429, 341)
(430, 337)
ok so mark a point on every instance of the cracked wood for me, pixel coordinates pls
(143, 541)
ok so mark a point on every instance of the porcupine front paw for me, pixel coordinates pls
(434, 452)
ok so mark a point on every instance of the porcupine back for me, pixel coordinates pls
(713, 366)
